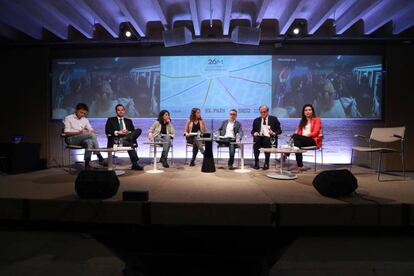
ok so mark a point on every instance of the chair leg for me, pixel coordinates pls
(352, 157)
(315, 159)
(370, 160)
(69, 161)
(379, 165)
(403, 163)
(172, 154)
(322, 156)
(62, 165)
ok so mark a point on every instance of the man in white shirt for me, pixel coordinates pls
(229, 129)
(78, 131)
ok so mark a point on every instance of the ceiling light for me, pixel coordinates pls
(296, 31)
(128, 33)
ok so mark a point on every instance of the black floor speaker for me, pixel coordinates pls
(96, 184)
(335, 183)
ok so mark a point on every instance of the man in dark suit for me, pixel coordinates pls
(122, 128)
(264, 127)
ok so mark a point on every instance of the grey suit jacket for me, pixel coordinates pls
(237, 128)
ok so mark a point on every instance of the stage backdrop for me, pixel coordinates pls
(345, 91)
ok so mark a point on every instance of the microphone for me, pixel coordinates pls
(397, 136)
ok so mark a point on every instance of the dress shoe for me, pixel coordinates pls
(103, 162)
(137, 167)
(192, 163)
(266, 166)
(230, 166)
(88, 168)
(256, 166)
(297, 170)
(165, 164)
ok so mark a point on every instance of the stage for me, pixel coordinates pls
(183, 195)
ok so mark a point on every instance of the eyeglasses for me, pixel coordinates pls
(263, 111)
(233, 114)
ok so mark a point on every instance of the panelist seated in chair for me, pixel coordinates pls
(120, 129)
(78, 131)
(228, 131)
(195, 124)
(162, 130)
(307, 134)
(264, 127)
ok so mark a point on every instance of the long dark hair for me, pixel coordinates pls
(304, 120)
(161, 114)
(193, 114)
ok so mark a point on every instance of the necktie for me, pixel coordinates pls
(264, 121)
(121, 124)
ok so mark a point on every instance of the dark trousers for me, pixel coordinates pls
(130, 139)
(301, 141)
(262, 142)
(197, 145)
(232, 148)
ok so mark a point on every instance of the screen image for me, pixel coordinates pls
(215, 84)
(102, 83)
(337, 86)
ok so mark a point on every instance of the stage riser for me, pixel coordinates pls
(164, 213)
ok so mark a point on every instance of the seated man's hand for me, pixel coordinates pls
(256, 134)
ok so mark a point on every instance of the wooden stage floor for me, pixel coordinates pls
(185, 196)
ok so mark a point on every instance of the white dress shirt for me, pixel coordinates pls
(306, 130)
(116, 132)
(264, 129)
(74, 124)
(229, 130)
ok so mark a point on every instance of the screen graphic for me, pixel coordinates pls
(337, 86)
(102, 83)
(215, 84)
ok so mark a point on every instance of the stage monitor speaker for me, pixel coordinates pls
(246, 35)
(96, 184)
(335, 183)
(177, 36)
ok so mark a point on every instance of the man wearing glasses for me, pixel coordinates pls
(264, 127)
(229, 130)
(78, 131)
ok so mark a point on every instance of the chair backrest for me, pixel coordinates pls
(386, 134)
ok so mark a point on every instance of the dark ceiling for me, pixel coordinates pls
(208, 20)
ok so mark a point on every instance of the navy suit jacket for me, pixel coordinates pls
(112, 125)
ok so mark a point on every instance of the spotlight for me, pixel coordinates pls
(296, 31)
(128, 34)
